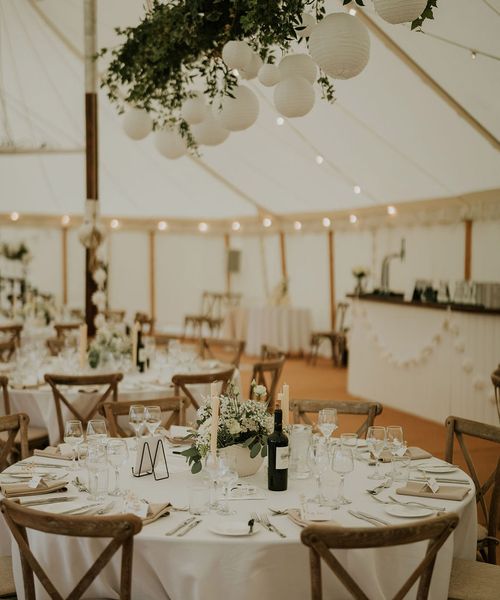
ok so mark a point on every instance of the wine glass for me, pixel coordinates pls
(152, 418)
(376, 440)
(395, 441)
(343, 463)
(212, 466)
(327, 421)
(97, 468)
(317, 461)
(73, 435)
(97, 430)
(227, 477)
(136, 420)
(117, 453)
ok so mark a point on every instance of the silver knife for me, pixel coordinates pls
(183, 524)
(273, 527)
(378, 519)
(49, 501)
(189, 527)
(358, 516)
(442, 480)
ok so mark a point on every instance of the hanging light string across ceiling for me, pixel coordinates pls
(493, 8)
(473, 51)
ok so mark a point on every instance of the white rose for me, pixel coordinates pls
(233, 427)
(260, 390)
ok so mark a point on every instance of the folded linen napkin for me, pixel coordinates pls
(10, 490)
(445, 492)
(61, 452)
(294, 516)
(155, 511)
(412, 452)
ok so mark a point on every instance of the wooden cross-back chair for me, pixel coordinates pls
(268, 352)
(64, 329)
(14, 426)
(110, 380)
(228, 351)
(322, 538)
(12, 332)
(457, 428)
(495, 380)
(175, 406)
(146, 322)
(7, 350)
(337, 338)
(120, 528)
(268, 373)
(38, 437)
(55, 345)
(182, 382)
(301, 408)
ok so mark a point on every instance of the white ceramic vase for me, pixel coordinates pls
(245, 465)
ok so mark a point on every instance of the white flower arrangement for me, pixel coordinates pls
(244, 423)
(40, 308)
(110, 339)
(258, 391)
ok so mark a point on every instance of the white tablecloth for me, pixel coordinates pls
(424, 361)
(204, 566)
(282, 326)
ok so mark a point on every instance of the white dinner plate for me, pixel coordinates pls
(233, 528)
(437, 469)
(409, 512)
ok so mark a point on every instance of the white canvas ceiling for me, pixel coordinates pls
(389, 133)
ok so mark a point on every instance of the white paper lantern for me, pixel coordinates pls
(251, 71)
(298, 65)
(237, 54)
(194, 109)
(399, 11)
(99, 321)
(269, 75)
(308, 22)
(209, 132)
(99, 276)
(340, 45)
(137, 124)
(294, 97)
(240, 112)
(170, 143)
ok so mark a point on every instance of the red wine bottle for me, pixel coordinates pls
(277, 452)
(141, 353)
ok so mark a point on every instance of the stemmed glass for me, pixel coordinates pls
(376, 440)
(212, 466)
(343, 463)
(327, 421)
(117, 453)
(73, 435)
(97, 471)
(152, 418)
(395, 441)
(136, 420)
(227, 476)
(97, 430)
(317, 461)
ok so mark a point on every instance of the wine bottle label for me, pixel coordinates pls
(282, 457)
(142, 355)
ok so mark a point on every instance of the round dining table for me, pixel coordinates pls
(203, 565)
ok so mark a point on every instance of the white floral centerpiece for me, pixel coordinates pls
(242, 424)
(38, 308)
(109, 340)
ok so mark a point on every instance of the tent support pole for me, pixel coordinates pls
(468, 249)
(331, 273)
(91, 152)
(284, 272)
(152, 274)
(227, 247)
(64, 252)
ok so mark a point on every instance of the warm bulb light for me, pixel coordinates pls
(297, 225)
(280, 120)
(203, 227)
(391, 210)
(162, 225)
(319, 159)
(353, 219)
(267, 222)
(236, 226)
(14, 216)
(65, 219)
(352, 12)
(326, 222)
(473, 55)
(115, 223)
(357, 189)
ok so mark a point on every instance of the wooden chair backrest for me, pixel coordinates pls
(268, 352)
(174, 405)
(7, 350)
(456, 427)
(55, 345)
(62, 329)
(146, 322)
(340, 317)
(322, 538)
(14, 331)
(120, 528)
(183, 381)
(229, 351)
(301, 408)
(115, 316)
(495, 380)
(268, 373)
(13, 424)
(110, 380)
(4, 385)
(77, 314)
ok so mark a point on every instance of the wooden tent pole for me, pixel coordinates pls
(91, 152)
(284, 271)
(227, 247)
(64, 251)
(152, 274)
(468, 250)
(331, 272)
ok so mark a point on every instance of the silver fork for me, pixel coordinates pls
(421, 504)
(264, 519)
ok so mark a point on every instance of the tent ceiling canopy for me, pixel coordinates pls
(389, 132)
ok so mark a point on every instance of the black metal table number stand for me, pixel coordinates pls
(152, 461)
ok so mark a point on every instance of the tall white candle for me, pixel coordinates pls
(215, 425)
(213, 389)
(285, 405)
(83, 345)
